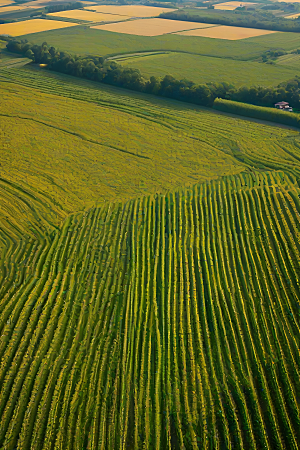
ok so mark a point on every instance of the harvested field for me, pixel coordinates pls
(89, 16)
(4, 9)
(231, 5)
(42, 3)
(131, 10)
(151, 27)
(32, 26)
(293, 16)
(225, 32)
(225, 8)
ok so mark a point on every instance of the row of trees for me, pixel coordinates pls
(260, 20)
(99, 69)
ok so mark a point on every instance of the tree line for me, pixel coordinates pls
(106, 71)
(259, 20)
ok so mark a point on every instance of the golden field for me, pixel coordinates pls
(226, 32)
(151, 27)
(11, 8)
(231, 5)
(293, 16)
(131, 10)
(89, 16)
(32, 26)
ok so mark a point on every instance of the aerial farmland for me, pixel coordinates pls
(149, 225)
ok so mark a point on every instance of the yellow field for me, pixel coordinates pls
(32, 26)
(151, 27)
(293, 16)
(5, 2)
(225, 8)
(230, 6)
(41, 3)
(11, 8)
(130, 10)
(89, 16)
(225, 32)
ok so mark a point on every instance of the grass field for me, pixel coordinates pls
(203, 69)
(34, 26)
(290, 60)
(115, 154)
(149, 272)
(148, 136)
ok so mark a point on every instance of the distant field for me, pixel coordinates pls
(202, 69)
(89, 16)
(85, 40)
(150, 27)
(34, 26)
(232, 5)
(226, 32)
(291, 61)
(131, 10)
(11, 8)
(293, 16)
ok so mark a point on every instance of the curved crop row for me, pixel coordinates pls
(168, 322)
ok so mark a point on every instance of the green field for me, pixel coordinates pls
(290, 60)
(149, 272)
(204, 69)
(166, 322)
(127, 144)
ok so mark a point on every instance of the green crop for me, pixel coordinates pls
(170, 318)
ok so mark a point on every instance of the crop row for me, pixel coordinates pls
(167, 322)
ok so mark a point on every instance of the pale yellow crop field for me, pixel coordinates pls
(89, 16)
(6, 2)
(130, 10)
(40, 3)
(225, 8)
(32, 26)
(151, 27)
(11, 8)
(226, 32)
(293, 16)
(230, 6)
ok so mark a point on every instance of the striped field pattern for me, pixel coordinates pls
(167, 322)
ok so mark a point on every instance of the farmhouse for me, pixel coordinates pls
(283, 106)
